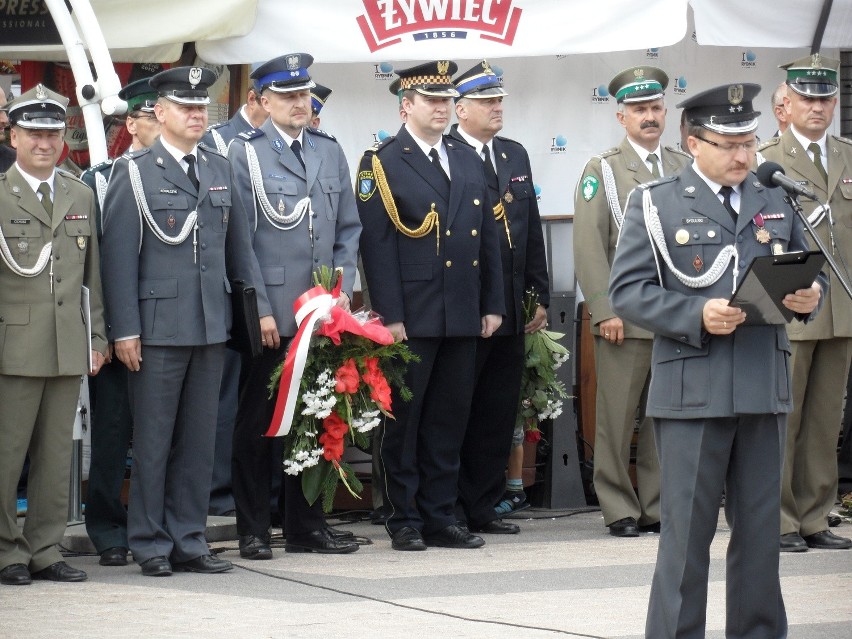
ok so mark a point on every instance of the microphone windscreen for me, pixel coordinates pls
(765, 172)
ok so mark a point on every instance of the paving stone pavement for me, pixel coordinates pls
(563, 576)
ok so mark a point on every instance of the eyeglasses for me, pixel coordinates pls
(731, 147)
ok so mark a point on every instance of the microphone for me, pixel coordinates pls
(771, 174)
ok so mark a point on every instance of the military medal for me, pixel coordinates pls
(281, 207)
(776, 248)
(171, 221)
(23, 247)
(697, 263)
(81, 242)
(508, 198)
(761, 234)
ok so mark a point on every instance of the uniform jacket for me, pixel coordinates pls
(287, 259)
(525, 264)
(42, 332)
(695, 374)
(227, 130)
(438, 286)
(595, 230)
(173, 295)
(835, 319)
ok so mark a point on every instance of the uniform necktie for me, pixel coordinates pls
(813, 147)
(46, 202)
(436, 161)
(490, 173)
(190, 169)
(655, 167)
(297, 151)
(726, 192)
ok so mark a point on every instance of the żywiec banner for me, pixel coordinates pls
(359, 31)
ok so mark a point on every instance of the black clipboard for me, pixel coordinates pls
(245, 330)
(769, 278)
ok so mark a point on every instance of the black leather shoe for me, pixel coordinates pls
(793, 542)
(156, 567)
(649, 528)
(116, 556)
(319, 541)
(626, 527)
(255, 547)
(497, 527)
(207, 564)
(15, 575)
(407, 538)
(454, 536)
(60, 571)
(825, 540)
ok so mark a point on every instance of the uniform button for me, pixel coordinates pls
(79, 231)
(201, 225)
(314, 215)
(203, 245)
(476, 202)
(677, 350)
(55, 233)
(316, 260)
(684, 338)
(1, 319)
(58, 279)
(739, 239)
(223, 200)
(742, 263)
(55, 257)
(203, 268)
(474, 232)
(59, 303)
(316, 237)
(449, 233)
(151, 292)
(449, 263)
(476, 262)
(696, 236)
(169, 202)
(433, 204)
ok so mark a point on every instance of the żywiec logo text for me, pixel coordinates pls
(386, 21)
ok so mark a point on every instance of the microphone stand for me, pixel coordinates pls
(794, 202)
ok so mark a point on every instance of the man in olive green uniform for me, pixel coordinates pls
(822, 348)
(622, 350)
(48, 251)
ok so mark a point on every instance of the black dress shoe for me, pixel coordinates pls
(454, 536)
(626, 527)
(116, 556)
(825, 540)
(793, 542)
(207, 564)
(407, 538)
(15, 575)
(319, 541)
(255, 547)
(497, 527)
(60, 571)
(649, 528)
(156, 567)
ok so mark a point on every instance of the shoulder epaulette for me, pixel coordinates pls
(210, 149)
(381, 144)
(677, 151)
(841, 139)
(135, 154)
(508, 140)
(67, 174)
(321, 133)
(251, 134)
(100, 166)
(605, 154)
(663, 180)
(768, 143)
(219, 125)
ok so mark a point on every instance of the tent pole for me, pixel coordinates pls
(820, 28)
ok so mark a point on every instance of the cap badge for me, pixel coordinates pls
(815, 61)
(41, 94)
(486, 67)
(194, 75)
(639, 74)
(292, 62)
(735, 94)
(443, 67)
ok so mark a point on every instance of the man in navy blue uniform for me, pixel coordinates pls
(432, 263)
(720, 388)
(500, 358)
(174, 236)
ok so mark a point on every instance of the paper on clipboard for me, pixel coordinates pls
(86, 307)
(769, 278)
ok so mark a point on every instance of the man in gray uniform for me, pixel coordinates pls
(48, 250)
(174, 235)
(822, 349)
(297, 192)
(622, 350)
(720, 388)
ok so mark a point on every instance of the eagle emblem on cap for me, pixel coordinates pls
(639, 73)
(194, 75)
(41, 94)
(292, 62)
(816, 62)
(735, 93)
(443, 67)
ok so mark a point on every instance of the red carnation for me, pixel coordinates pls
(532, 435)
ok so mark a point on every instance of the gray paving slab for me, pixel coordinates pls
(563, 576)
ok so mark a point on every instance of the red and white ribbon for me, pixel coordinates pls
(309, 308)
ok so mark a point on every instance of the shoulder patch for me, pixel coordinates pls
(321, 133)
(589, 187)
(770, 142)
(613, 151)
(251, 134)
(366, 185)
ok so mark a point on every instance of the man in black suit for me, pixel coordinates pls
(432, 262)
(499, 359)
